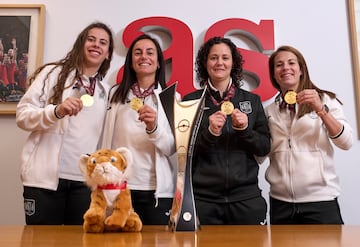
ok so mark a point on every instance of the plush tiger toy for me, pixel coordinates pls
(105, 172)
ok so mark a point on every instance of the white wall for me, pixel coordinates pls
(319, 29)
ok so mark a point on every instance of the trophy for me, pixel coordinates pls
(184, 119)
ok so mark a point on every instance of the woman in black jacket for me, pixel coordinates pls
(232, 132)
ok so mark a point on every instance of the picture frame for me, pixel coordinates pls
(354, 28)
(21, 50)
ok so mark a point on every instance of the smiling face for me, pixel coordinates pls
(287, 71)
(96, 48)
(219, 64)
(145, 58)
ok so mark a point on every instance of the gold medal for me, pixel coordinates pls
(87, 100)
(227, 107)
(290, 97)
(136, 103)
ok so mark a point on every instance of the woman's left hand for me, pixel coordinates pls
(239, 119)
(148, 116)
(311, 97)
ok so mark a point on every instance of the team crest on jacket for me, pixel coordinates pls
(29, 206)
(245, 107)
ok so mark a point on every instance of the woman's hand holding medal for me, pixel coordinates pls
(310, 96)
(239, 119)
(71, 106)
(218, 119)
(216, 122)
(148, 115)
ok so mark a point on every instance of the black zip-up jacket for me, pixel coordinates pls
(223, 167)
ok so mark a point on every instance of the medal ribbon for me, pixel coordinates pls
(91, 88)
(136, 90)
(283, 105)
(229, 94)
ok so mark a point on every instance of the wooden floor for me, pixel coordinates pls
(207, 236)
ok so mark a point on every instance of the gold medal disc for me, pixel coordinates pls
(136, 103)
(290, 97)
(87, 100)
(227, 107)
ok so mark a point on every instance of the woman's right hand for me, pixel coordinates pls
(216, 122)
(71, 106)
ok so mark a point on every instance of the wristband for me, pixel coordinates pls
(213, 133)
(151, 131)
(56, 115)
(338, 134)
(324, 110)
(243, 128)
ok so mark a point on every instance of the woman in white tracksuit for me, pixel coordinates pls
(305, 123)
(62, 127)
(136, 120)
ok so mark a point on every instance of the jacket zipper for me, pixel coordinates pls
(292, 192)
(289, 142)
(227, 160)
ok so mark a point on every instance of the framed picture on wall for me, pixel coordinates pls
(354, 24)
(21, 50)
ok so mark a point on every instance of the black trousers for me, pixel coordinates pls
(246, 212)
(65, 206)
(150, 210)
(323, 212)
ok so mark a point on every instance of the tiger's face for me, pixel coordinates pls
(106, 166)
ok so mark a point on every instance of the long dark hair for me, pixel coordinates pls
(129, 76)
(202, 74)
(305, 81)
(74, 60)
